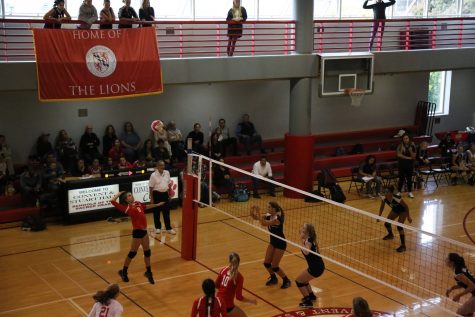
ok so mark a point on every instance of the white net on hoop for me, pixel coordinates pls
(357, 96)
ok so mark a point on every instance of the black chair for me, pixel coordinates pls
(355, 180)
(388, 173)
(441, 168)
(425, 172)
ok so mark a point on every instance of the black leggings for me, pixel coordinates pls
(405, 175)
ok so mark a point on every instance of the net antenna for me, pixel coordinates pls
(356, 95)
(351, 238)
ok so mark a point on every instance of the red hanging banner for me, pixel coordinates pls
(97, 64)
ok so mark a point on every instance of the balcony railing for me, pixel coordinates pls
(407, 34)
(176, 39)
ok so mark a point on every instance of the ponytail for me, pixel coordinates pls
(233, 265)
(277, 207)
(111, 292)
(209, 289)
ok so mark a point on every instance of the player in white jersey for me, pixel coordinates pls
(106, 303)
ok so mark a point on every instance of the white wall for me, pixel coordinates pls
(392, 104)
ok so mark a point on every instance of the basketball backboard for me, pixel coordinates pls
(342, 71)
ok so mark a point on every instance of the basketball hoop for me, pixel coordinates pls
(356, 96)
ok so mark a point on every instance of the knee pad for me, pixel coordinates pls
(147, 253)
(276, 269)
(400, 230)
(132, 254)
(267, 265)
(387, 225)
(301, 284)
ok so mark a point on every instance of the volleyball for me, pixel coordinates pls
(254, 213)
(156, 125)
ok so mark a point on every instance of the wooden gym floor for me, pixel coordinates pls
(55, 272)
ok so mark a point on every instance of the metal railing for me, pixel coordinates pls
(399, 34)
(176, 39)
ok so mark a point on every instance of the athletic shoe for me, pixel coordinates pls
(389, 236)
(123, 276)
(312, 296)
(398, 194)
(306, 303)
(157, 231)
(285, 284)
(369, 196)
(402, 248)
(171, 231)
(410, 195)
(149, 276)
(272, 280)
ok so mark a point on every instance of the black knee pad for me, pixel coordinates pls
(276, 269)
(387, 225)
(400, 230)
(132, 254)
(267, 265)
(147, 253)
(301, 284)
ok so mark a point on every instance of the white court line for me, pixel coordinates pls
(64, 273)
(46, 282)
(77, 307)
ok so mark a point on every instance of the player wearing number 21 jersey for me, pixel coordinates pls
(106, 304)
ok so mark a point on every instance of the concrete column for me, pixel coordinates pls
(303, 15)
(300, 113)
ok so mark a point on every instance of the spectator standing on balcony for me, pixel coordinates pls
(107, 16)
(87, 15)
(379, 12)
(127, 13)
(57, 14)
(236, 15)
(146, 13)
(247, 134)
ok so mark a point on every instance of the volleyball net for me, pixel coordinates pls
(349, 237)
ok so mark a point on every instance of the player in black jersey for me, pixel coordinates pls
(399, 210)
(274, 221)
(316, 267)
(464, 280)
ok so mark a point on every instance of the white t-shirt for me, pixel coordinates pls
(112, 309)
(265, 171)
(159, 182)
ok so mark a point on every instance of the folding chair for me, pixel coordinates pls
(355, 180)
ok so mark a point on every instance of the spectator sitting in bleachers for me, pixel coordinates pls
(127, 13)
(87, 15)
(130, 141)
(89, 145)
(80, 169)
(470, 161)
(147, 150)
(95, 168)
(116, 152)
(264, 169)
(175, 138)
(108, 139)
(368, 173)
(3, 174)
(160, 153)
(43, 146)
(222, 178)
(198, 139)
(109, 165)
(216, 147)
(446, 145)
(31, 182)
(225, 138)
(161, 134)
(124, 164)
(6, 152)
(66, 150)
(247, 134)
(140, 163)
(458, 166)
(52, 176)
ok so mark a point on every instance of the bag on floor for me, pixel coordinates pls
(241, 194)
(33, 223)
(326, 178)
(336, 193)
(309, 199)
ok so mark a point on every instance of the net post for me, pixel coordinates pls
(210, 182)
(189, 158)
(199, 172)
(189, 217)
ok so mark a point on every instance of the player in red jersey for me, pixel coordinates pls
(229, 283)
(136, 211)
(209, 305)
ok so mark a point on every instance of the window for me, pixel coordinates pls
(354, 9)
(468, 7)
(212, 9)
(439, 91)
(442, 7)
(176, 9)
(28, 9)
(324, 9)
(276, 9)
(409, 8)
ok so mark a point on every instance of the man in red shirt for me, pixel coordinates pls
(136, 211)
